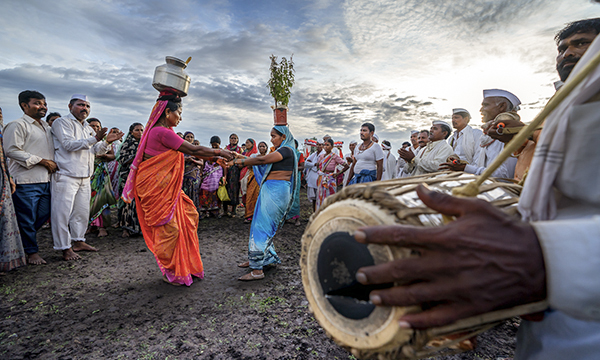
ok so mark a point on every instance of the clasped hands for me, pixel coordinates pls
(113, 135)
(239, 163)
(481, 262)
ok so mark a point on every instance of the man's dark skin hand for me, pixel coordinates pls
(450, 165)
(482, 261)
(49, 164)
(407, 155)
(493, 129)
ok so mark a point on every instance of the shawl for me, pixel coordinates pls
(157, 110)
(249, 153)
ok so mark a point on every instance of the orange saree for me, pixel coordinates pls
(251, 195)
(168, 218)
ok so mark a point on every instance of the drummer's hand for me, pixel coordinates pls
(465, 267)
(492, 131)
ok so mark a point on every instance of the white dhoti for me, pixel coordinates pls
(70, 209)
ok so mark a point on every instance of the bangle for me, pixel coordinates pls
(243, 161)
(217, 152)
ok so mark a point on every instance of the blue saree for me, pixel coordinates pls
(274, 202)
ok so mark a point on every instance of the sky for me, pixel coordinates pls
(398, 64)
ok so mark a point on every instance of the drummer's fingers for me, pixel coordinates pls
(399, 235)
(446, 204)
(408, 295)
(437, 316)
(401, 270)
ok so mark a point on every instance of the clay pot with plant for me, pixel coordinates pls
(280, 85)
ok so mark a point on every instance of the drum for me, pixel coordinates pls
(330, 258)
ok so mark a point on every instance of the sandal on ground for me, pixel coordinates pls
(248, 221)
(244, 264)
(251, 277)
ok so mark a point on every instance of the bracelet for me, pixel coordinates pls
(243, 161)
(217, 152)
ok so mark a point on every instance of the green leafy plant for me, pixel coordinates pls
(281, 81)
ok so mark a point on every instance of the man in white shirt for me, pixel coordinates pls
(553, 254)
(400, 162)
(414, 140)
(368, 158)
(409, 153)
(389, 161)
(28, 145)
(436, 152)
(312, 174)
(75, 144)
(465, 139)
(497, 104)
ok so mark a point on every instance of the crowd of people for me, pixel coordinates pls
(70, 171)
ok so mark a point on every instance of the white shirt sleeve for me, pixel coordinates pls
(571, 251)
(63, 133)
(14, 143)
(378, 152)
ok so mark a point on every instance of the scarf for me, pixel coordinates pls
(248, 153)
(538, 200)
(157, 111)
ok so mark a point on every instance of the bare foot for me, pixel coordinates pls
(102, 232)
(82, 246)
(168, 282)
(125, 234)
(35, 259)
(70, 255)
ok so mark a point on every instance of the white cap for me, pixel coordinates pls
(353, 142)
(412, 132)
(460, 110)
(440, 122)
(80, 97)
(502, 93)
(376, 137)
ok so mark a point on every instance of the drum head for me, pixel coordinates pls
(330, 259)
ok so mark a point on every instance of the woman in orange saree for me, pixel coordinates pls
(168, 218)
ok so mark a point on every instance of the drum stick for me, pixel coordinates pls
(472, 189)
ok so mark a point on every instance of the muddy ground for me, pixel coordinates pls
(114, 305)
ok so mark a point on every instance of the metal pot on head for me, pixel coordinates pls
(172, 76)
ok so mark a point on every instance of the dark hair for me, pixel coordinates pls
(406, 143)
(329, 141)
(262, 142)
(447, 129)
(578, 27)
(27, 95)
(278, 132)
(296, 143)
(251, 140)
(387, 143)
(215, 139)
(424, 131)
(93, 119)
(132, 126)
(173, 102)
(370, 126)
(52, 114)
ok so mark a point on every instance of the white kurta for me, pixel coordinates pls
(465, 143)
(562, 196)
(389, 165)
(429, 159)
(484, 157)
(75, 148)
(312, 175)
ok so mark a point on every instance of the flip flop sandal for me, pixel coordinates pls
(244, 264)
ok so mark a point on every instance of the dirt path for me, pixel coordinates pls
(114, 305)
